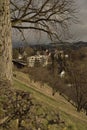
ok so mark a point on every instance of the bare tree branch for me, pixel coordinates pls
(56, 14)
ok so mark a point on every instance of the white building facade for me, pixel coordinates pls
(37, 59)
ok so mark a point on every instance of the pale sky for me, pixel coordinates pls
(79, 30)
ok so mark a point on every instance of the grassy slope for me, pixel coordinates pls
(74, 121)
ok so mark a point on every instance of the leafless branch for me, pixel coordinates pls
(56, 14)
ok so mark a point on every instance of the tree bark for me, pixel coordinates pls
(5, 41)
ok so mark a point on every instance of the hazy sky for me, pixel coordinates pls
(79, 30)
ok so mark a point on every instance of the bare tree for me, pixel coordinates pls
(80, 90)
(50, 16)
(78, 79)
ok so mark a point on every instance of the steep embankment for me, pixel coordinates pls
(78, 121)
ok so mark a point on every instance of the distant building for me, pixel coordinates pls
(20, 57)
(42, 60)
(19, 63)
(31, 61)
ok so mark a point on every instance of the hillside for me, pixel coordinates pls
(73, 120)
(64, 45)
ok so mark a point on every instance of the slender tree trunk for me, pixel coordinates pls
(5, 41)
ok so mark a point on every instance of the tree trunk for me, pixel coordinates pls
(5, 41)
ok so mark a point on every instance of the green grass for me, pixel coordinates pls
(71, 120)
